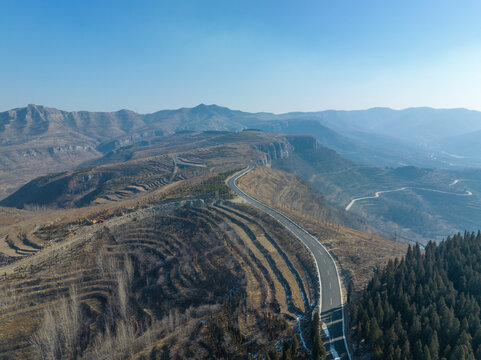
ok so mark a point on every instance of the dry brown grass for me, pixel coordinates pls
(279, 292)
(357, 253)
(280, 262)
(194, 251)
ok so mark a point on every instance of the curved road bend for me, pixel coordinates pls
(331, 298)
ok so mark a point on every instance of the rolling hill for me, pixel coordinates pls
(38, 140)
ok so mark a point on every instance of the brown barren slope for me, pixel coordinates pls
(189, 274)
(358, 253)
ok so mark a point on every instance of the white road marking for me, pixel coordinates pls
(333, 351)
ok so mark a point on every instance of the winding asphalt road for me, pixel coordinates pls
(330, 288)
(377, 194)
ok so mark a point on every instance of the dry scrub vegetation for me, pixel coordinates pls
(358, 253)
(175, 270)
(166, 281)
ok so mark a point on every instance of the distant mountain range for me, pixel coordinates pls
(36, 140)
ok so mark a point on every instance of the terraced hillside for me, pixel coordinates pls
(173, 280)
(25, 232)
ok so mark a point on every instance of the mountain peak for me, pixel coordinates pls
(205, 106)
(206, 109)
(34, 106)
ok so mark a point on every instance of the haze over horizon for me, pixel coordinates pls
(242, 110)
(254, 56)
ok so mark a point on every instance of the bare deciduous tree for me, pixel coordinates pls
(45, 341)
(59, 333)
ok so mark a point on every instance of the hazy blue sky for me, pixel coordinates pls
(257, 55)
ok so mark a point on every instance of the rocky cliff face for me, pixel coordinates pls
(18, 125)
(274, 151)
(37, 140)
(303, 142)
(284, 147)
(34, 122)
